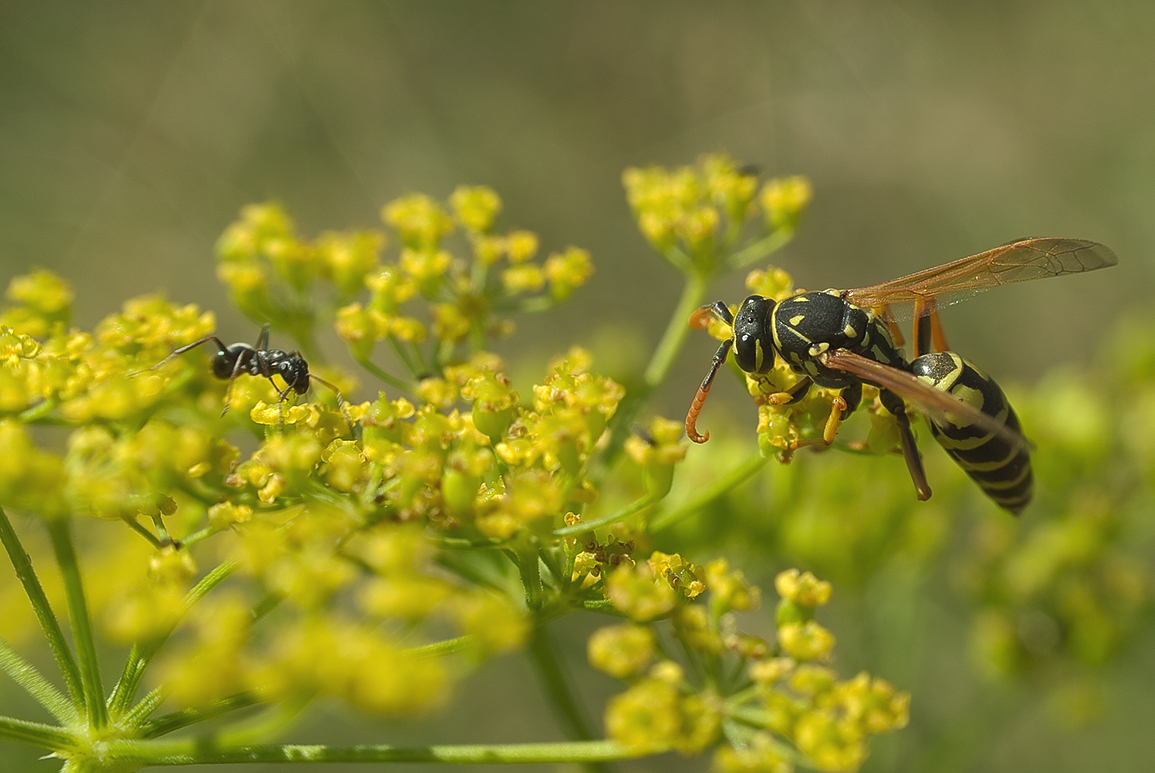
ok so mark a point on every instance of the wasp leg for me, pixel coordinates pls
(791, 395)
(843, 404)
(891, 324)
(910, 454)
(928, 334)
(841, 407)
(703, 390)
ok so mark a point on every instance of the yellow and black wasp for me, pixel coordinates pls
(843, 339)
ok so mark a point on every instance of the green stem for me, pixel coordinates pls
(38, 411)
(60, 529)
(25, 674)
(562, 700)
(676, 331)
(659, 366)
(404, 387)
(530, 571)
(35, 734)
(446, 647)
(141, 655)
(48, 622)
(198, 751)
(144, 708)
(760, 249)
(139, 528)
(717, 489)
(168, 723)
(605, 520)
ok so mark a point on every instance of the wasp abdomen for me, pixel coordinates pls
(1000, 465)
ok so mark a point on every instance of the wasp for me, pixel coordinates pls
(259, 360)
(844, 339)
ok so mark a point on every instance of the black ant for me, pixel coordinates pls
(258, 360)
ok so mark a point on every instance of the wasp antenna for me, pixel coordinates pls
(703, 391)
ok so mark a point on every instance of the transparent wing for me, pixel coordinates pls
(935, 403)
(1019, 261)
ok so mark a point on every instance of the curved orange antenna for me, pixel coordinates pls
(703, 390)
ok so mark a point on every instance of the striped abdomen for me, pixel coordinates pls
(999, 462)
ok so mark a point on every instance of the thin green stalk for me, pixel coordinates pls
(168, 723)
(762, 248)
(676, 331)
(197, 751)
(717, 489)
(35, 734)
(446, 647)
(144, 707)
(140, 656)
(139, 528)
(22, 563)
(530, 571)
(42, 691)
(38, 411)
(404, 387)
(605, 520)
(659, 366)
(549, 669)
(60, 530)
(759, 720)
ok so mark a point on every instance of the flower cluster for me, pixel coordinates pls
(428, 294)
(294, 543)
(696, 217)
(790, 709)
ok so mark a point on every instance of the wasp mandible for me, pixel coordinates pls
(843, 339)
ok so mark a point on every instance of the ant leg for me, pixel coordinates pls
(238, 368)
(703, 390)
(178, 352)
(340, 398)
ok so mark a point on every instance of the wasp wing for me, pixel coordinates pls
(936, 404)
(1019, 261)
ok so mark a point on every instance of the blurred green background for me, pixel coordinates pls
(132, 132)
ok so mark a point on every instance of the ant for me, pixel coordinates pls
(258, 360)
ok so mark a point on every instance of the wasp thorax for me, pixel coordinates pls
(754, 336)
(819, 318)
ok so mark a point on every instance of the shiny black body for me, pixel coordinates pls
(801, 329)
(258, 360)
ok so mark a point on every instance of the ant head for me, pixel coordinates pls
(295, 371)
